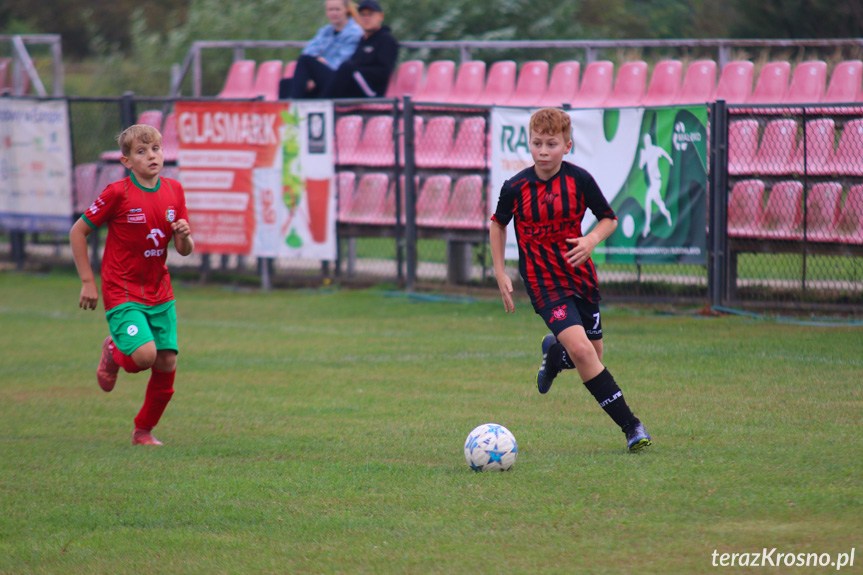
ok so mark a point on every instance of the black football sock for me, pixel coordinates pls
(565, 360)
(604, 389)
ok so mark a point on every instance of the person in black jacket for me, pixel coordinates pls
(366, 74)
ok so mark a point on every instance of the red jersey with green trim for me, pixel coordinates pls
(139, 230)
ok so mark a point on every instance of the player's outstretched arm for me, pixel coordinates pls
(497, 238)
(582, 247)
(183, 241)
(78, 239)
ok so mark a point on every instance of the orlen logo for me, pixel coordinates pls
(681, 138)
(155, 234)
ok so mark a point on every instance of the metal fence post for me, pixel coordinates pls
(718, 193)
(410, 198)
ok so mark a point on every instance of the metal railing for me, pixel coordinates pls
(24, 71)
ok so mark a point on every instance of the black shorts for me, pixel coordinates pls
(573, 311)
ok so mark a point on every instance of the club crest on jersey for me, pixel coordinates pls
(170, 215)
(558, 313)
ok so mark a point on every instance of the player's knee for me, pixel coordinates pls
(166, 361)
(145, 356)
(580, 351)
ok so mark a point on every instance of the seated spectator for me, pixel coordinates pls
(331, 46)
(367, 73)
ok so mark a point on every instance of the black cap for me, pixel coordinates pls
(369, 5)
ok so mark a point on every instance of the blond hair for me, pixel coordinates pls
(139, 132)
(551, 121)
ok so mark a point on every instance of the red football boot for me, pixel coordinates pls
(106, 373)
(144, 437)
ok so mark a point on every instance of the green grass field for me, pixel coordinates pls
(322, 432)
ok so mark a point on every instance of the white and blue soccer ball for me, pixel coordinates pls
(490, 447)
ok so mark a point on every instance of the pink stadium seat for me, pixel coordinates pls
(500, 84)
(819, 143)
(735, 82)
(345, 184)
(596, 85)
(349, 130)
(170, 138)
(389, 210)
(845, 83)
(532, 84)
(147, 118)
(267, 80)
(563, 85)
(807, 83)
(629, 86)
(469, 83)
(783, 213)
(108, 174)
(469, 150)
(434, 146)
(699, 83)
(466, 208)
(849, 152)
(664, 84)
(822, 211)
(778, 144)
(432, 201)
(850, 228)
(376, 145)
(439, 82)
(290, 67)
(408, 80)
(240, 82)
(772, 84)
(746, 209)
(369, 200)
(742, 146)
(85, 185)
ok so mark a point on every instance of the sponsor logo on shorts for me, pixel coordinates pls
(132, 330)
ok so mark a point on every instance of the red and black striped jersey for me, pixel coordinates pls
(546, 213)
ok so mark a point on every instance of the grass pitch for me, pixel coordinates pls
(322, 432)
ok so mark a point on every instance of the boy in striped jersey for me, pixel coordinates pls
(143, 212)
(547, 203)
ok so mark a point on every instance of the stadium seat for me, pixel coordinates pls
(664, 84)
(820, 137)
(369, 199)
(469, 83)
(742, 146)
(735, 82)
(345, 184)
(500, 84)
(466, 207)
(148, 118)
(531, 86)
(290, 67)
(699, 83)
(438, 83)
(5, 73)
(376, 148)
(240, 82)
(563, 85)
(432, 200)
(85, 186)
(170, 138)
(823, 207)
(596, 85)
(408, 80)
(469, 150)
(807, 83)
(783, 212)
(772, 84)
(845, 83)
(849, 152)
(349, 130)
(746, 209)
(775, 152)
(267, 80)
(850, 227)
(108, 174)
(629, 86)
(389, 210)
(433, 147)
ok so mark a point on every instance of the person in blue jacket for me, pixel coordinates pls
(331, 46)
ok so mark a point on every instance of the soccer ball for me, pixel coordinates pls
(490, 447)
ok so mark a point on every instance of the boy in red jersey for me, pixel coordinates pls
(143, 212)
(547, 202)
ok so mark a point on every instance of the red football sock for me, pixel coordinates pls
(160, 388)
(125, 361)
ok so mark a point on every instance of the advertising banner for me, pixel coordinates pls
(651, 164)
(35, 166)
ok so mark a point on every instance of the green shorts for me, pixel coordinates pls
(134, 324)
